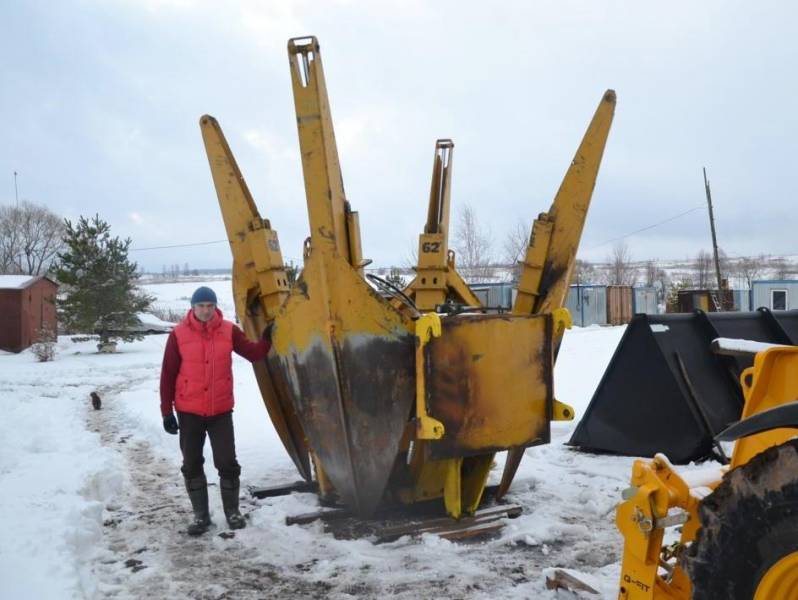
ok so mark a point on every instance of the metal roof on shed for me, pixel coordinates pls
(18, 282)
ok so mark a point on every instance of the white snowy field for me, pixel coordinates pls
(92, 504)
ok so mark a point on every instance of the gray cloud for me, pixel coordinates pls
(102, 101)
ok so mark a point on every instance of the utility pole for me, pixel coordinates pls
(16, 193)
(712, 227)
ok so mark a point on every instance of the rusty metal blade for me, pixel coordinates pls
(285, 421)
(514, 456)
(353, 401)
(281, 412)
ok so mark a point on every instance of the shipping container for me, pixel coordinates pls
(619, 304)
(645, 301)
(587, 304)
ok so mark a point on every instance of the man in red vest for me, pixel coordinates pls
(197, 380)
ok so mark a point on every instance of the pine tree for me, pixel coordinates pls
(98, 282)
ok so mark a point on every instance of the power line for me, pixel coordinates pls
(685, 260)
(687, 212)
(178, 246)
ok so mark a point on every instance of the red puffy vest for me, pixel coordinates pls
(205, 380)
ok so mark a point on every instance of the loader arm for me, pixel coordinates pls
(774, 418)
(553, 242)
(260, 284)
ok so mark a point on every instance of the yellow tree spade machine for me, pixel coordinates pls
(739, 524)
(404, 396)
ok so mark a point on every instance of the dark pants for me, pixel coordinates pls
(192, 439)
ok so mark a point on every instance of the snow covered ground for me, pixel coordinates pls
(92, 504)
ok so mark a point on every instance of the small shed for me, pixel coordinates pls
(495, 295)
(775, 294)
(619, 304)
(27, 305)
(703, 299)
(609, 305)
(587, 304)
(644, 300)
(742, 300)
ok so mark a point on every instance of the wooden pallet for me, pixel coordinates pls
(483, 522)
(341, 523)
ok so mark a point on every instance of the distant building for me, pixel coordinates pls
(704, 299)
(609, 304)
(742, 300)
(495, 295)
(27, 304)
(588, 304)
(775, 294)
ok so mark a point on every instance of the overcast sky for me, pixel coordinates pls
(101, 102)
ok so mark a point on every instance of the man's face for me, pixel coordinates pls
(204, 311)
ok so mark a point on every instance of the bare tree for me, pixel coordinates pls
(30, 238)
(584, 272)
(662, 282)
(515, 245)
(10, 231)
(750, 268)
(620, 270)
(411, 258)
(395, 277)
(781, 267)
(704, 268)
(650, 273)
(725, 265)
(473, 245)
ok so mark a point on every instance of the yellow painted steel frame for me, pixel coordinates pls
(436, 279)
(655, 490)
(770, 382)
(331, 330)
(339, 346)
(260, 284)
(427, 428)
(461, 481)
(542, 289)
(657, 496)
(551, 253)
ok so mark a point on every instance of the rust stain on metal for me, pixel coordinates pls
(489, 381)
(354, 399)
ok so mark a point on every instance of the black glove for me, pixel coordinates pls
(170, 424)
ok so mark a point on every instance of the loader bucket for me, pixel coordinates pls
(666, 391)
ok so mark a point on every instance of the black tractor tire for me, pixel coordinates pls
(748, 524)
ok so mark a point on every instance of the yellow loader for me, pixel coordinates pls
(738, 524)
(404, 396)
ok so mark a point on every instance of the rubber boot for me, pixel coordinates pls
(230, 489)
(197, 489)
